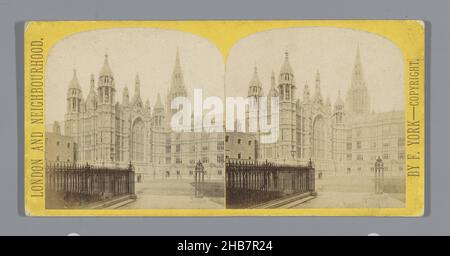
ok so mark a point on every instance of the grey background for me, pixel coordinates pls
(14, 13)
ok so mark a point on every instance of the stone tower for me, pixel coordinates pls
(177, 87)
(254, 93)
(159, 133)
(273, 92)
(106, 138)
(91, 100)
(158, 113)
(270, 149)
(358, 101)
(318, 99)
(287, 90)
(74, 103)
(338, 136)
(136, 102)
(125, 96)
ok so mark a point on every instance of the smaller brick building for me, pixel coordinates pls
(240, 145)
(59, 148)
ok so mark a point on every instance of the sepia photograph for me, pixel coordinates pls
(225, 118)
(337, 132)
(109, 138)
(310, 122)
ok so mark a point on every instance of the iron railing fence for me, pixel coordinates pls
(77, 184)
(249, 183)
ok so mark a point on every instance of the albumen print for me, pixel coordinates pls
(224, 118)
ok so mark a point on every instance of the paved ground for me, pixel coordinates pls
(332, 192)
(352, 192)
(330, 199)
(176, 194)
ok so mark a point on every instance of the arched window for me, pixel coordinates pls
(137, 141)
(281, 93)
(106, 96)
(319, 139)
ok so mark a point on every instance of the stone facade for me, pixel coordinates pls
(240, 145)
(113, 133)
(59, 148)
(344, 138)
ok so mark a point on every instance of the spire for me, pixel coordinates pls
(272, 80)
(357, 53)
(74, 84)
(147, 104)
(254, 88)
(273, 92)
(358, 100)
(137, 85)
(125, 95)
(106, 70)
(158, 104)
(56, 127)
(92, 96)
(317, 91)
(177, 60)
(286, 67)
(358, 57)
(137, 92)
(306, 93)
(92, 82)
(339, 101)
(357, 79)
(74, 95)
(255, 79)
(177, 85)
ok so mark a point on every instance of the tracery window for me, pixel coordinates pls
(319, 139)
(137, 141)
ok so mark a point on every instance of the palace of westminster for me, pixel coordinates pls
(101, 131)
(344, 138)
(341, 139)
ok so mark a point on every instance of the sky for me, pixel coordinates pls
(149, 52)
(331, 51)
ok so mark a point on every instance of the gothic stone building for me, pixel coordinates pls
(59, 148)
(344, 138)
(113, 133)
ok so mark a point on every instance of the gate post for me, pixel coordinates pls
(199, 178)
(379, 176)
(131, 182)
(312, 185)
